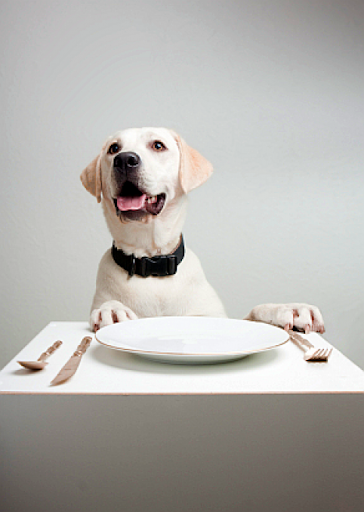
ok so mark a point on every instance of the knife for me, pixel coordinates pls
(72, 364)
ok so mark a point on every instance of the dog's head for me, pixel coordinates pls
(141, 170)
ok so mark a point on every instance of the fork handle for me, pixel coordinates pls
(299, 340)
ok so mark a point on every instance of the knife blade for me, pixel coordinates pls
(72, 364)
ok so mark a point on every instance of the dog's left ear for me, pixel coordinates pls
(91, 178)
(194, 169)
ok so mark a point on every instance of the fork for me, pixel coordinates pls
(311, 352)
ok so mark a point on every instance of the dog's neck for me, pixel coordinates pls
(157, 236)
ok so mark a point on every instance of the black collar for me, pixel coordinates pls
(145, 267)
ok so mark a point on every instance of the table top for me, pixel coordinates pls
(112, 372)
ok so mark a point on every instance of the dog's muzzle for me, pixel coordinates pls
(131, 201)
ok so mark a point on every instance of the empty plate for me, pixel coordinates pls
(191, 340)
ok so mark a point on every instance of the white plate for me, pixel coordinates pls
(191, 340)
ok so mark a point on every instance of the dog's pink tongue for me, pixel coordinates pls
(131, 203)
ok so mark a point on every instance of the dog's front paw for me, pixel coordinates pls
(110, 312)
(300, 316)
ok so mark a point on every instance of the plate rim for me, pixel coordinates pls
(203, 354)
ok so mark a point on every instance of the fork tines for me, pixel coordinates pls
(312, 353)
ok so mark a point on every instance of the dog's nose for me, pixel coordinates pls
(127, 161)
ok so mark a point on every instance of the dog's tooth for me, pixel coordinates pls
(152, 199)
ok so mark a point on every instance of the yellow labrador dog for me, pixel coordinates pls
(142, 177)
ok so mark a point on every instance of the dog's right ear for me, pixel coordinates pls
(91, 178)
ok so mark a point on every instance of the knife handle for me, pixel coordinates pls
(83, 346)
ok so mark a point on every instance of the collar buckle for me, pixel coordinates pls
(158, 266)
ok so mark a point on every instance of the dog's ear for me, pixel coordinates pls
(194, 169)
(91, 178)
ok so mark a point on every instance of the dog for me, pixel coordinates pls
(142, 177)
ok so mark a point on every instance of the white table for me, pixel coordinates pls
(270, 432)
(109, 372)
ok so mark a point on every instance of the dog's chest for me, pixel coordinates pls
(153, 296)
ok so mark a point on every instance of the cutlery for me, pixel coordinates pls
(40, 363)
(312, 353)
(72, 364)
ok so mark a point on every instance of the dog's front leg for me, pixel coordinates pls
(110, 312)
(300, 316)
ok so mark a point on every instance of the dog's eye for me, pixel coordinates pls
(114, 148)
(158, 146)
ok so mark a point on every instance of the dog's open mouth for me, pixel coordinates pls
(132, 199)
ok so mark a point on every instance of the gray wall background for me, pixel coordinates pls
(271, 92)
